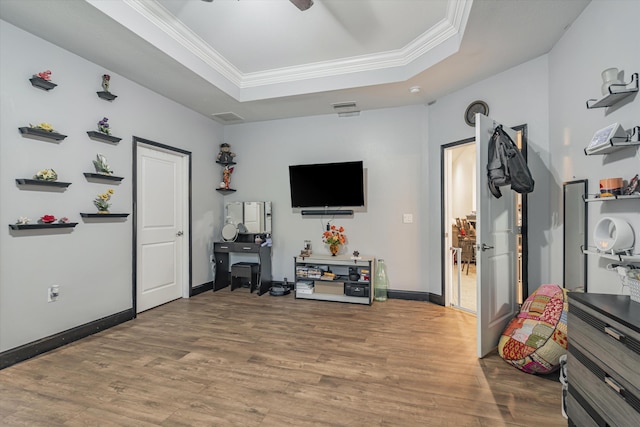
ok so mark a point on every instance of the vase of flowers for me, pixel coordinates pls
(102, 201)
(334, 237)
(103, 126)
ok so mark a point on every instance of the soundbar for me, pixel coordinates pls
(327, 212)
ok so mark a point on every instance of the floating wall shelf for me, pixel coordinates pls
(612, 198)
(616, 143)
(226, 163)
(42, 133)
(103, 176)
(617, 92)
(103, 136)
(225, 190)
(106, 95)
(615, 257)
(25, 181)
(41, 83)
(104, 215)
(42, 226)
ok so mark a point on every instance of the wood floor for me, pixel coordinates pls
(237, 359)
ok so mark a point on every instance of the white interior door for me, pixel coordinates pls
(161, 198)
(496, 255)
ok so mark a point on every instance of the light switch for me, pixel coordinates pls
(407, 218)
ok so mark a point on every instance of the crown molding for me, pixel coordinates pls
(451, 26)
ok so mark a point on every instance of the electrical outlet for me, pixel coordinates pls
(407, 218)
(52, 293)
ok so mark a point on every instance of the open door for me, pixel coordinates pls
(496, 246)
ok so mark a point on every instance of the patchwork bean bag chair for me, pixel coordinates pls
(536, 338)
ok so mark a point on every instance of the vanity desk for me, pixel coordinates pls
(221, 252)
(246, 223)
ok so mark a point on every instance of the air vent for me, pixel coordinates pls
(344, 106)
(346, 109)
(227, 118)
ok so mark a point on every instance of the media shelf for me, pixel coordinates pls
(310, 285)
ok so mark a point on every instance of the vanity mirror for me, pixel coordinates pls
(249, 217)
(575, 235)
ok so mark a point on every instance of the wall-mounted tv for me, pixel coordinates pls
(327, 185)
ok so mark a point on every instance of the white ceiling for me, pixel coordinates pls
(265, 59)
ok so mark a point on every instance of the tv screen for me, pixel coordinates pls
(327, 185)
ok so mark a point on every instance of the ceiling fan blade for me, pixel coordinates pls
(302, 4)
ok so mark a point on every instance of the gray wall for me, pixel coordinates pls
(400, 148)
(605, 35)
(390, 142)
(91, 264)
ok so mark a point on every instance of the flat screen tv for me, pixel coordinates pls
(327, 185)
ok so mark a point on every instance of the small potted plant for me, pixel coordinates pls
(101, 165)
(46, 175)
(102, 201)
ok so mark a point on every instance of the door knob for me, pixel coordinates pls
(179, 233)
(485, 247)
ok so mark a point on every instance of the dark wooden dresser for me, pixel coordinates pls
(603, 362)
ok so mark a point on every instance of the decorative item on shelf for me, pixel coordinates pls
(226, 177)
(102, 201)
(381, 283)
(46, 175)
(334, 237)
(105, 82)
(103, 126)
(23, 220)
(63, 220)
(609, 77)
(42, 80)
(632, 187)
(613, 235)
(47, 219)
(611, 186)
(44, 75)
(43, 127)
(225, 155)
(106, 94)
(101, 165)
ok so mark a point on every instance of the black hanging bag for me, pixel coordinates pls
(507, 165)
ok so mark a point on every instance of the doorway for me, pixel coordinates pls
(162, 224)
(459, 203)
(459, 168)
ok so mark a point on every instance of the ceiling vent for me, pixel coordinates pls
(346, 109)
(227, 118)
